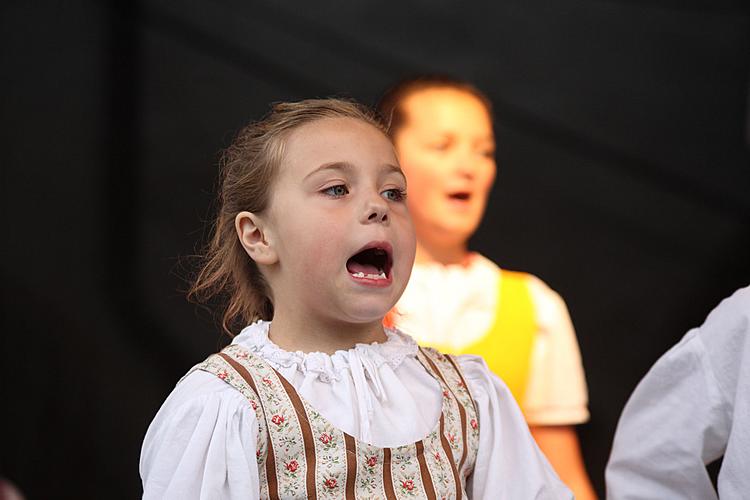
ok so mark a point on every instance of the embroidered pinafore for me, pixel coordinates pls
(302, 455)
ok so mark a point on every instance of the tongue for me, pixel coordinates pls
(357, 267)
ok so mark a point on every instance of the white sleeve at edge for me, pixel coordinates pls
(688, 410)
(672, 419)
(509, 464)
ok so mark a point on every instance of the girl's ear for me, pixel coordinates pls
(250, 228)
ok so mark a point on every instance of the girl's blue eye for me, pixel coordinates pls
(336, 191)
(394, 194)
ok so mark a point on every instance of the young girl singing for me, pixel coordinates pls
(312, 246)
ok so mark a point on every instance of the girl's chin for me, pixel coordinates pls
(366, 316)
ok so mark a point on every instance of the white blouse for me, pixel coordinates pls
(202, 442)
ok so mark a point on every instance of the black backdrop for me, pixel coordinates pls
(623, 182)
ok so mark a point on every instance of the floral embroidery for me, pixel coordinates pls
(291, 466)
(280, 425)
(408, 487)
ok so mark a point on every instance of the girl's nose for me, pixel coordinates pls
(465, 164)
(376, 211)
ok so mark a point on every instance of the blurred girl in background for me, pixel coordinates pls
(458, 300)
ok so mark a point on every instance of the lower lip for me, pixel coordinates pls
(375, 283)
(459, 203)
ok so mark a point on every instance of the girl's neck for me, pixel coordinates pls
(441, 254)
(292, 333)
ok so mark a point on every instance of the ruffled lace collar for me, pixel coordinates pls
(328, 367)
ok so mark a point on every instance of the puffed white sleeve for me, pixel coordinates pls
(201, 444)
(509, 464)
(683, 412)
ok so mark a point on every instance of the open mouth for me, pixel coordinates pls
(374, 262)
(460, 196)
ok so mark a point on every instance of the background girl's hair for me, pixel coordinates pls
(390, 105)
(248, 168)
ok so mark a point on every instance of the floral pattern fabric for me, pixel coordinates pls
(301, 455)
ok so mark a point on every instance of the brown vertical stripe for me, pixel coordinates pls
(273, 483)
(449, 456)
(429, 488)
(433, 366)
(387, 477)
(461, 412)
(242, 371)
(351, 466)
(463, 381)
(307, 435)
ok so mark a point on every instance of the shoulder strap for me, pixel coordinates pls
(233, 366)
(460, 420)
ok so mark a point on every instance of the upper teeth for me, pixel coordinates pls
(360, 274)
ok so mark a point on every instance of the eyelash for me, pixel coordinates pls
(400, 193)
(329, 191)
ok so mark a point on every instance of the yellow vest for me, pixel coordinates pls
(507, 345)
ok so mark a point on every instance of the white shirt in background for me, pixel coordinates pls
(691, 408)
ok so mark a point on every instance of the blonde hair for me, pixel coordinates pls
(248, 168)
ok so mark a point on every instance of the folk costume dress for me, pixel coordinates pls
(388, 420)
(514, 320)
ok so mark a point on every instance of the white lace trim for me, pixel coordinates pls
(328, 367)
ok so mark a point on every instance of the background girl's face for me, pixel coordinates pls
(446, 147)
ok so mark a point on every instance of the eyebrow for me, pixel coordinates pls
(345, 165)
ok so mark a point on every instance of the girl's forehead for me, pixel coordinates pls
(332, 127)
(446, 109)
(337, 139)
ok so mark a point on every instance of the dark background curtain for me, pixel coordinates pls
(624, 181)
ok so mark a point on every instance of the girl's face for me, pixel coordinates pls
(447, 150)
(339, 224)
